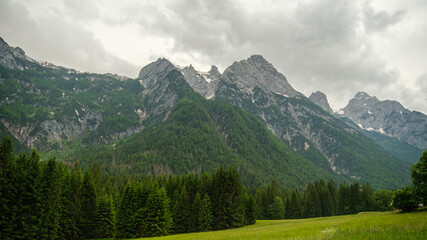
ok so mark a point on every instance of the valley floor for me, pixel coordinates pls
(372, 225)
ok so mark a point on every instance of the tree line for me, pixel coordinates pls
(48, 200)
(319, 200)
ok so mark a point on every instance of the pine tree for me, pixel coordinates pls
(326, 202)
(181, 211)
(28, 199)
(419, 178)
(105, 216)
(294, 211)
(88, 221)
(332, 187)
(205, 214)
(354, 198)
(7, 189)
(367, 202)
(125, 214)
(249, 210)
(158, 217)
(67, 223)
(276, 210)
(195, 211)
(50, 190)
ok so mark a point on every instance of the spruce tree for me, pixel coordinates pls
(249, 210)
(67, 222)
(125, 214)
(294, 210)
(326, 202)
(332, 187)
(354, 198)
(88, 221)
(7, 189)
(158, 217)
(105, 216)
(367, 202)
(205, 214)
(181, 211)
(276, 210)
(50, 190)
(195, 210)
(28, 215)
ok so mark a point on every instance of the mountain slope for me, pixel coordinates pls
(202, 135)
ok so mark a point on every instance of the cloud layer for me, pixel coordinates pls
(339, 47)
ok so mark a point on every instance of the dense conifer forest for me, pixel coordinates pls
(51, 200)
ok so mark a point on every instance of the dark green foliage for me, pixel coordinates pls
(181, 212)
(28, 197)
(276, 210)
(367, 202)
(205, 217)
(158, 217)
(382, 199)
(311, 202)
(294, 208)
(419, 178)
(88, 215)
(50, 189)
(405, 200)
(126, 210)
(226, 193)
(7, 188)
(249, 204)
(105, 217)
(332, 187)
(325, 198)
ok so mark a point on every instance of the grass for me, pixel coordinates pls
(375, 225)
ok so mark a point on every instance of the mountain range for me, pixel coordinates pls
(173, 119)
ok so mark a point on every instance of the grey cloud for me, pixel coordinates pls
(58, 40)
(380, 20)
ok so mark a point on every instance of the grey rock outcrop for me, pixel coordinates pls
(204, 83)
(388, 117)
(10, 56)
(321, 100)
(257, 72)
(150, 74)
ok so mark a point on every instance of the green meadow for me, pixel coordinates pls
(372, 225)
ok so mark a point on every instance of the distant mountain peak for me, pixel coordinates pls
(320, 99)
(258, 72)
(155, 70)
(387, 117)
(214, 71)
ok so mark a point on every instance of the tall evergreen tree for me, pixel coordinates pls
(205, 214)
(276, 210)
(294, 210)
(354, 198)
(326, 202)
(367, 202)
(249, 204)
(67, 221)
(125, 214)
(7, 189)
(28, 215)
(50, 190)
(158, 219)
(343, 205)
(105, 216)
(195, 211)
(181, 211)
(332, 187)
(88, 209)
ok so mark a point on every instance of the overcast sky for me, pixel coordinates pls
(339, 47)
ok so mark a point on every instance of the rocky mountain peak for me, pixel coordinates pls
(9, 54)
(320, 99)
(388, 117)
(257, 72)
(154, 71)
(214, 71)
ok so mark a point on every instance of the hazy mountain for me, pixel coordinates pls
(388, 117)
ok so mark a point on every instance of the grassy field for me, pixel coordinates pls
(384, 225)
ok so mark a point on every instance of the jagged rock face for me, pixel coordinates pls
(256, 71)
(321, 100)
(155, 71)
(204, 83)
(388, 117)
(9, 56)
(160, 92)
